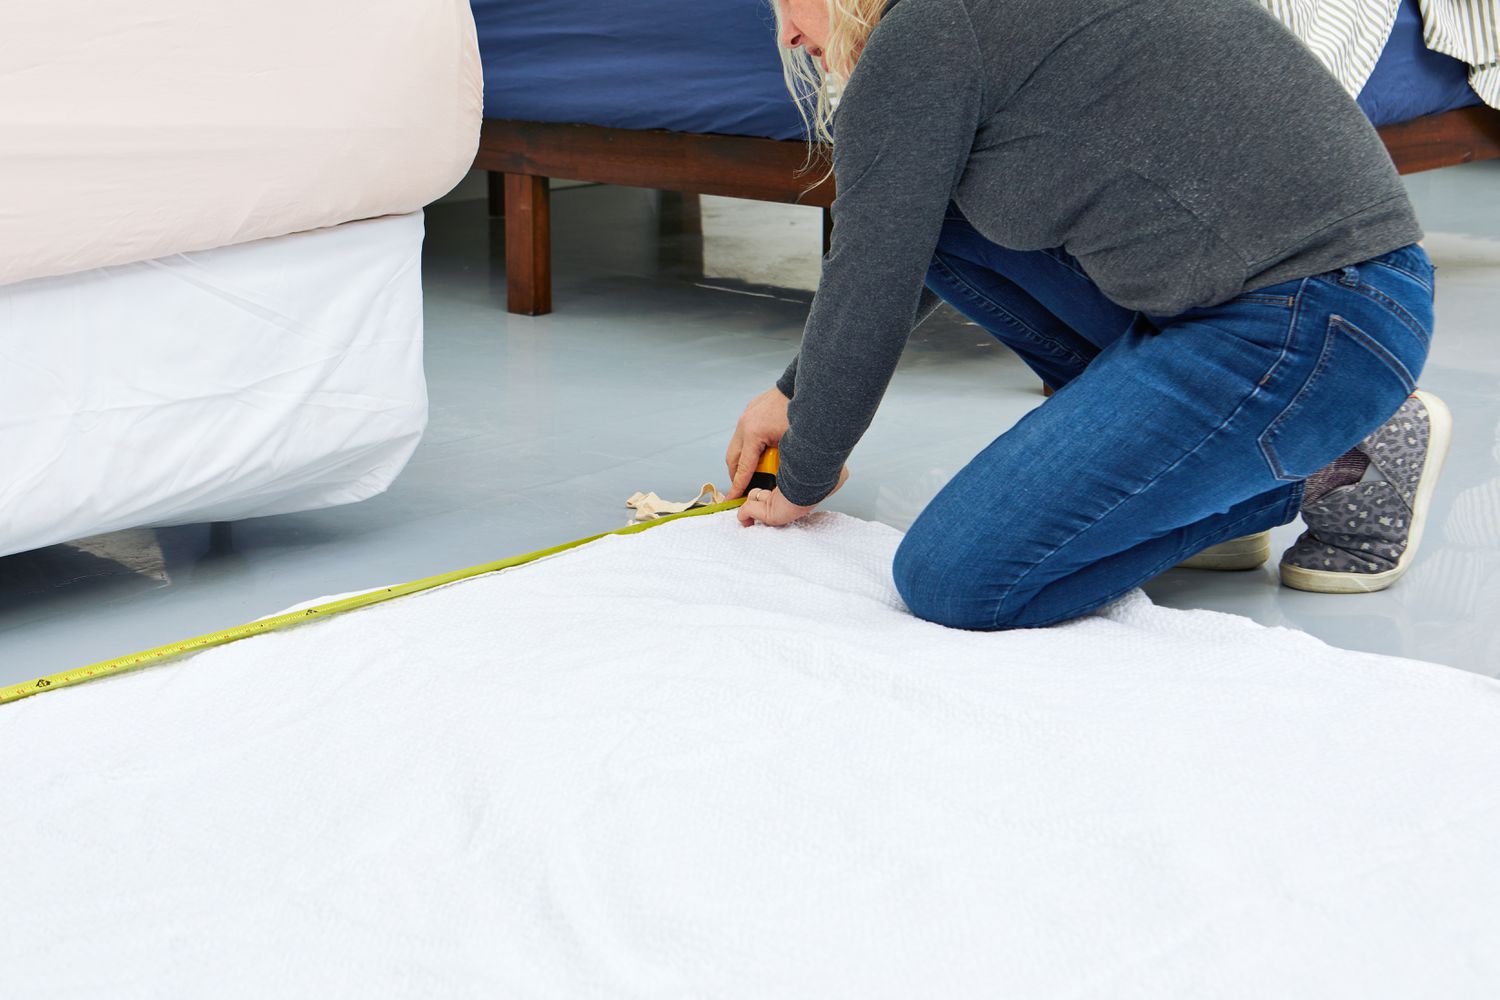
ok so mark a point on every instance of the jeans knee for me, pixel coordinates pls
(936, 586)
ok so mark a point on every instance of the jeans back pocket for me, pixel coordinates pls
(1410, 262)
(1355, 386)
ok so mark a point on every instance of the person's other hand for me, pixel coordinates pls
(761, 426)
(770, 507)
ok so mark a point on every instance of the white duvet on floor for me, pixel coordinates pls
(708, 761)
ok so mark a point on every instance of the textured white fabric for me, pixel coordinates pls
(132, 130)
(273, 376)
(761, 778)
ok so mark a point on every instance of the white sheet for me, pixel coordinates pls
(136, 130)
(273, 376)
(557, 782)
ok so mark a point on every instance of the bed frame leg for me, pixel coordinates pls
(220, 538)
(679, 231)
(497, 193)
(528, 245)
(679, 213)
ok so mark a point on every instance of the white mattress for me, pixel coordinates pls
(707, 761)
(135, 130)
(273, 376)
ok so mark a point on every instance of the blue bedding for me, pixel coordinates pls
(711, 66)
(1411, 80)
(695, 66)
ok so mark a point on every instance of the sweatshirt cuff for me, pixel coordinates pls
(802, 492)
(799, 493)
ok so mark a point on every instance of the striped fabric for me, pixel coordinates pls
(1467, 30)
(1348, 36)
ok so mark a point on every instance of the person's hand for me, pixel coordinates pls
(770, 507)
(761, 426)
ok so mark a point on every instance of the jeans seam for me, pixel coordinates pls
(995, 622)
(1426, 283)
(1376, 348)
(1160, 568)
(1035, 336)
(1286, 343)
(1371, 292)
(1336, 323)
(1263, 439)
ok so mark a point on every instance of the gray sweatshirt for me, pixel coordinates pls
(1184, 151)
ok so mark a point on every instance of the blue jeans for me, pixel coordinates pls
(1167, 434)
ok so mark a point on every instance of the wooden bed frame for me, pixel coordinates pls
(521, 156)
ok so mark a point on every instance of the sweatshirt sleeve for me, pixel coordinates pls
(926, 306)
(902, 135)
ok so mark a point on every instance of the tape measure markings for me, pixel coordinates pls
(159, 654)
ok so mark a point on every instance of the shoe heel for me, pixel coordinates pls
(1440, 436)
(1246, 552)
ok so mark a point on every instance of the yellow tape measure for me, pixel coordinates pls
(107, 668)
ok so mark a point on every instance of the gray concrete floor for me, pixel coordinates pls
(542, 426)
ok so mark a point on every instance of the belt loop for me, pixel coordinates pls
(1349, 276)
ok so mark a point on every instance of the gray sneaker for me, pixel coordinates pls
(1361, 536)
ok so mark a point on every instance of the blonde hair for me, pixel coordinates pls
(814, 91)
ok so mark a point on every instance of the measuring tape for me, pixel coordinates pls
(107, 668)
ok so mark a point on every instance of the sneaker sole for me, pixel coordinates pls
(1323, 582)
(1247, 552)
